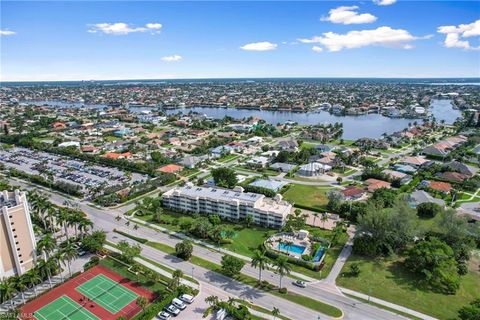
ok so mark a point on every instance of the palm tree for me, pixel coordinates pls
(21, 286)
(324, 218)
(212, 300)
(142, 302)
(7, 290)
(62, 220)
(283, 267)
(46, 245)
(260, 261)
(289, 245)
(315, 216)
(83, 225)
(176, 277)
(51, 212)
(57, 258)
(44, 269)
(118, 218)
(69, 253)
(275, 313)
(33, 278)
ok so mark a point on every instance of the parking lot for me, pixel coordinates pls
(87, 176)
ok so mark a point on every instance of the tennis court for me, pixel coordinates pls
(107, 293)
(64, 308)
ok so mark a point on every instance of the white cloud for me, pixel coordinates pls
(259, 46)
(317, 49)
(7, 33)
(455, 35)
(382, 36)
(384, 2)
(348, 15)
(172, 58)
(121, 28)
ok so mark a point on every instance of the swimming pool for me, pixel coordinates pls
(291, 248)
(319, 254)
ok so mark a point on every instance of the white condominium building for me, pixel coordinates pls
(17, 240)
(229, 204)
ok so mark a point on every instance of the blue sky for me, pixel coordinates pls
(155, 40)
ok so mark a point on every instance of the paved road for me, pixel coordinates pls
(105, 220)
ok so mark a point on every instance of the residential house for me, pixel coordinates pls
(374, 184)
(419, 196)
(352, 193)
(313, 169)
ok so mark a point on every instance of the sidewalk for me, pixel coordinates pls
(212, 247)
(342, 258)
(387, 304)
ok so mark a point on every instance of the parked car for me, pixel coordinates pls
(300, 283)
(163, 315)
(172, 309)
(179, 304)
(187, 298)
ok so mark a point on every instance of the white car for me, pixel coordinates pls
(187, 298)
(179, 304)
(163, 315)
(172, 309)
(300, 283)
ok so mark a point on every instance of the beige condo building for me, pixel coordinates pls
(17, 240)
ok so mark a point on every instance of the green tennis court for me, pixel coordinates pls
(107, 293)
(64, 308)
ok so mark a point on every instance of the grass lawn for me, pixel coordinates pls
(309, 196)
(268, 172)
(390, 281)
(228, 158)
(245, 242)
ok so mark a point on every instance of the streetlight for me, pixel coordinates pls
(193, 268)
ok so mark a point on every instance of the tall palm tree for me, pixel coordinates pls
(283, 267)
(21, 286)
(62, 220)
(44, 270)
(57, 259)
(315, 216)
(176, 277)
(289, 245)
(260, 261)
(68, 254)
(324, 218)
(84, 225)
(46, 245)
(33, 278)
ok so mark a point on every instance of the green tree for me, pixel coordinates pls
(283, 267)
(248, 220)
(184, 249)
(260, 261)
(225, 177)
(214, 219)
(142, 302)
(434, 260)
(231, 266)
(128, 251)
(354, 269)
(471, 311)
(94, 242)
(69, 253)
(428, 209)
(176, 277)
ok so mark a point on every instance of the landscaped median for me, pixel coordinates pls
(267, 287)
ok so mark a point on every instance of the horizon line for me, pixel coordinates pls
(233, 78)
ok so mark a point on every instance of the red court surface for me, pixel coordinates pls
(69, 289)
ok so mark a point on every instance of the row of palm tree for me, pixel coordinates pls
(56, 218)
(261, 261)
(44, 269)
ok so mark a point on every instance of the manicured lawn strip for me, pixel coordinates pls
(381, 306)
(161, 266)
(307, 196)
(228, 158)
(390, 281)
(259, 309)
(302, 300)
